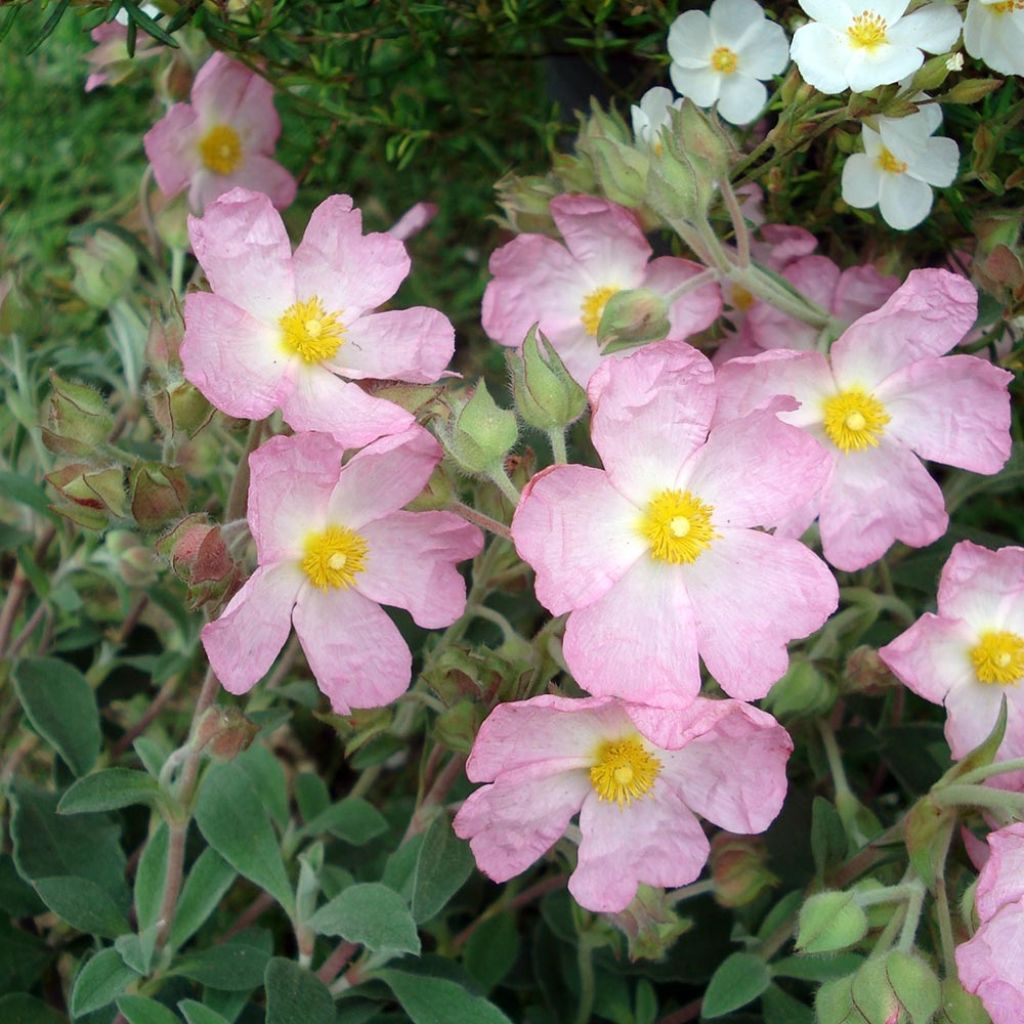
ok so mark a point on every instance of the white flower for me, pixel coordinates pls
(722, 56)
(994, 33)
(861, 44)
(653, 114)
(900, 164)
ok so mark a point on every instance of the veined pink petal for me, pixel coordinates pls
(235, 360)
(355, 652)
(227, 92)
(931, 657)
(1001, 881)
(171, 148)
(604, 237)
(514, 821)
(638, 641)
(256, 172)
(752, 594)
(243, 248)
(651, 412)
(290, 485)
(321, 401)
(578, 533)
(249, 634)
(875, 497)
(655, 840)
(350, 272)
(926, 316)
(691, 313)
(861, 290)
(402, 344)
(953, 409)
(983, 587)
(734, 773)
(411, 564)
(384, 476)
(990, 965)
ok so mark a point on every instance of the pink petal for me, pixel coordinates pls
(384, 476)
(876, 497)
(235, 361)
(321, 401)
(735, 345)
(983, 587)
(171, 148)
(862, 290)
(259, 174)
(516, 820)
(243, 248)
(603, 236)
(411, 564)
(290, 485)
(752, 594)
(354, 650)
(757, 470)
(953, 409)
(972, 711)
(349, 271)
(782, 244)
(991, 967)
(226, 92)
(926, 316)
(637, 642)
(249, 634)
(651, 412)
(655, 840)
(814, 276)
(402, 344)
(1001, 881)
(578, 533)
(691, 313)
(413, 221)
(734, 771)
(931, 657)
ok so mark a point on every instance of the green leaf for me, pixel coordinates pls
(781, 1008)
(430, 1000)
(828, 837)
(817, 968)
(132, 952)
(295, 996)
(83, 905)
(23, 957)
(370, 914)
(17, 897)
(140, 1010)
(739, 980)
(100, 982)
(232, 819)
(21, 489)
(267, 777)
(109, 790)
(19, 1008)
(491, 950)
(210, 878)
(196, 1013)
(351, 819)
(61, 706)
(443, 865)
(150, 880)
(233, 966)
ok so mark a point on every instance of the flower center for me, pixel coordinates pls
(998, 657)
(1008, 7)
(334, 557)
(678, 526)
(889, 163)
(220, 149)
(854, 420)
(624, 770)
(311, 332)
(867, 31)
(592, 308)
(724, 60)
(741, 298)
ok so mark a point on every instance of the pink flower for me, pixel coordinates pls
(638, 777)
(565, 288)
(413, 221)
(223, 139)
(293, 331)
(847, 295)
(109, 58)
(655, 556)
(885, 400)
(971, 654)
(333, 544)
(990, 964)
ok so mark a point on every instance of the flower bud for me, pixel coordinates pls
(104, 268)
(650, 924)
(134, 563)
(931, 74)
(913, 984)
(738, 869)
(171, 222)
(481, 433)
(78, 418)
(526, 203)
(830, 921)
(189, 410)
(959, 1006)
(802, 691)
(971, 90)
(834, 1002)
(90, 487)
(199, 557)
(866, 672)
(633, 318)
(224, 732)
(158, 493)
(545, 394)
(457, 727)
(621, 171)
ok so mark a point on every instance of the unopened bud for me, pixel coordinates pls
(457, 727)
(527, 201)
(189, 410)
(481, 433)
(802, 691)
(100, 489)
(224, 732)
(830, 921)
(738, 869)
(866, 672)
(971, 90)
(650, 924)
(545, 394)
(621, 171)
(932, 74)
(633, 317)
(959, 1006)
(78, 419)
(135, 563)
(104, 268)
(914, 985)
(158, 493)
(171, 222)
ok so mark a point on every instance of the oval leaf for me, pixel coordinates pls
(19, 1008)
(371, 914)
(83, 904)
(108, 791)
(232, 967)
(294, 996)
(210, 878)
(740, 979)
(100, 982)
(140, 1010)
(196, 1013)
(443, 865)
(430, 1000)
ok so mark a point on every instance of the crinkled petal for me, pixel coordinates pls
(971, 714)
(983, 587)
(861, 290)
(605, 238)
(931, 657)
(734, 21)
(937, 162)
(836, 14)
(171, 148)
(1001, 881)
(256, 172)
(690, 313)
(991, 967)
(402, 344)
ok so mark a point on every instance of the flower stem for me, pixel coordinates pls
(504, 484)
(558, 450)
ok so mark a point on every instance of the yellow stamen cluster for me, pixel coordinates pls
(1008, 7)
(889, 163)
(741, 298)
(998, 657)
(624, 770)
(678, 526)
(309, 331)
(220, 149)
(854, 420)
(334, 557)
(724, 60)
(868, 31)
(592, 308)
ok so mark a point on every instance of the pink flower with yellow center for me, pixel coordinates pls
(885, 398)
(223, 139)
(566, 288)
(637, 776)
(295, 331)
(970, 655)
(657, 557)
(333, 544)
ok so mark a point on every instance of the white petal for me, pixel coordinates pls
(822, 58)
(732, 21)
(700, 86)
(862, 181)
(741, 99)
(938, 163)
(933, 28)
(904, 201)
(883, 66)
(890, 10)
(834, 13)
(765, 53)
(690, 40)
